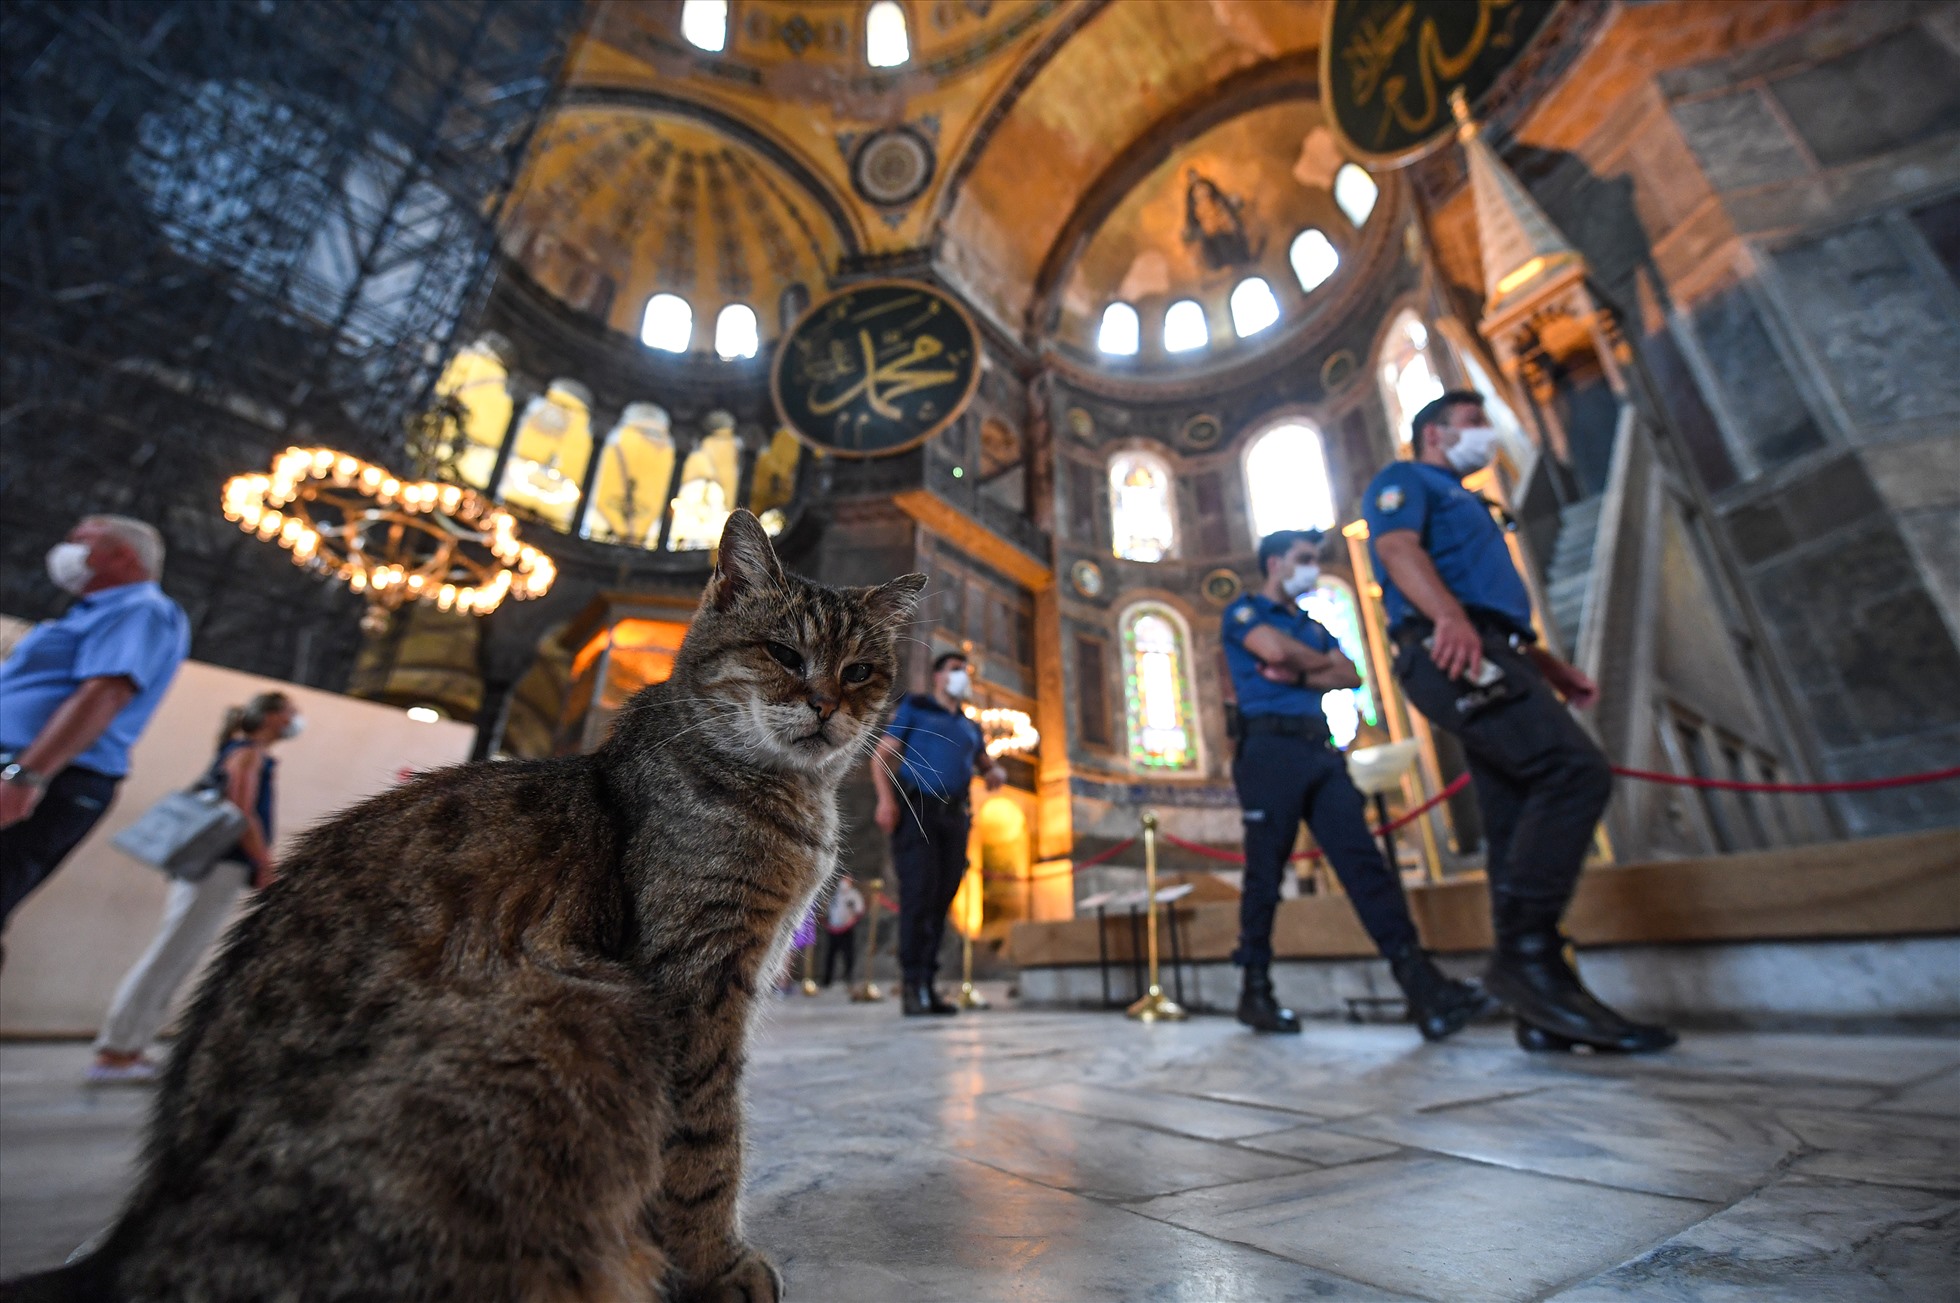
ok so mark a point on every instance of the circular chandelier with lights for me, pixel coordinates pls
(394, 541)
(1008, 732)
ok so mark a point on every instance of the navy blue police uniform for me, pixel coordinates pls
(1287, 769)
(1542, 783)
(942, 751)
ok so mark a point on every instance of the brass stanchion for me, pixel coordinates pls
(968, 997)
(810, 967)
(1155, 1006)
(868, 989)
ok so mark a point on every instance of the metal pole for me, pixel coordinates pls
(868, 989)
(1155, 1006)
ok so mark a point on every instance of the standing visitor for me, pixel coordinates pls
(1286, 769)
(194, 912)
(77, 693)
(840, 930)
(1468, 659)
(925, 764)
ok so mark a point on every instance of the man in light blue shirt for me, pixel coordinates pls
(77, 692)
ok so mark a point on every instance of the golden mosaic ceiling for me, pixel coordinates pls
(985, 146)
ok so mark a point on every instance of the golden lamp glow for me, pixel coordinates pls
(1008, 732)
(393, 541)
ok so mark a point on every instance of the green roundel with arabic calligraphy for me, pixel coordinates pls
(1387, 67)
(877, 368)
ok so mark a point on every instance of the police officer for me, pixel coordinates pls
(1281, 661)
(927, 760)
(1468, 659)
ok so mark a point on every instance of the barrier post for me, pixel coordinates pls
(968, 997)
(868, 990)
(1155, 1006)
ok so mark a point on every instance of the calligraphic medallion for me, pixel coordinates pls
(876, 369)
(1387, 67)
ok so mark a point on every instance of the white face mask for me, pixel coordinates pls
(958, 685)
(1305, 575)
(294, 727)
(68, 566)
(1473, 449)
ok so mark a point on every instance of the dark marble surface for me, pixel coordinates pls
(1076, 1157)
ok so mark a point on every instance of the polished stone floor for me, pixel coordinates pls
(1075, 1157)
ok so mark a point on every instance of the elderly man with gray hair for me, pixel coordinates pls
(77, 692)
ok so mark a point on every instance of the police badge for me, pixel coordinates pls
(1389, 500)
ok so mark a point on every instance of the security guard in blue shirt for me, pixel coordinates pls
(1281, 661)
(1467, 658)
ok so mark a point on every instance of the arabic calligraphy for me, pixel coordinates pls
(876, 369)
(1402, 61)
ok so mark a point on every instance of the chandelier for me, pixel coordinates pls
(1007, 732)
(394, 541)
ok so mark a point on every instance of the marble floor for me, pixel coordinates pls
(1074, 1157)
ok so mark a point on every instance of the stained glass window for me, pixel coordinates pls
(1142, 523)
(1408, 380)
(1332, 603)
(1286, 483)
(1157, 690)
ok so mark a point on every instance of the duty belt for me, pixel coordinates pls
(1311, 727)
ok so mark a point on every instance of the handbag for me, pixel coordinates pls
(184, 833)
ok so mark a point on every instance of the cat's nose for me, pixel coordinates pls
(825, 706)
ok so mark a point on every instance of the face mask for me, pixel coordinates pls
(294, 727)
(1473, 449)
(958, 685)
(68, 566)
(1305, 575)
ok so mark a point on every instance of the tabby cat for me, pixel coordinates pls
(484, 1039)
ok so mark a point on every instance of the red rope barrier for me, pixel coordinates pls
(1732, 785)
(1402, 821)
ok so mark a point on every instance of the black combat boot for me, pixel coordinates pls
(1259, 1009)
(1439, 1005)
(934, 1002)
(1555, 1011)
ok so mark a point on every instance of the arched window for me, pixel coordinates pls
(1142, 522)
(885, 42)
(705, 24)
(636, 466)
(1253, 306)
(1355, 191)
(668, 324)
(1121, 332)
(1408, 379)
(1184, 327)
(546, 471)
(1332, 604)
(735, 332)
(707, 490)
(773, 483)
(1286, 484)
(1314, 258)
(478, 380)
(1157, 689)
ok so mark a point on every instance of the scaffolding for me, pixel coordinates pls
(231, 225)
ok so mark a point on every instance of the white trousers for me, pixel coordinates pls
(193, 915)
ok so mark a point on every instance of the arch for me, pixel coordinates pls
(1185, 328)
(707, 490)
(1314, 259)
(477, 379)
(1159, 704)
(736, 332)
(1287, 481)
(1355, 192)
(1121, 332)
(1406, 371)
(636, 464)
(1332, 603)
(886, 42)
(545, 473)
(1253, 306)
(1142, 513)
(704, 23)
(668, 323)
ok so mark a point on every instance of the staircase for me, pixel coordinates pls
(1571, 569)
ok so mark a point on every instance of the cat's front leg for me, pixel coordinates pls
(692, 1215)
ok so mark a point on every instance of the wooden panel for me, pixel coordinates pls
(1092, 693)
(1907, 885)
(1213, 539)
(973, 538)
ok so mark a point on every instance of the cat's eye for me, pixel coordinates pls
(786, 656)
(857, 673)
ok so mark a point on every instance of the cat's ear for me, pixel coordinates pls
(896, 600)
(746, 561)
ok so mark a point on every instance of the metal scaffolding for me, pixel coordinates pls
(231, 225)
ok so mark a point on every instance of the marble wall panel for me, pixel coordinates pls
(1740, 140)
(1756, 384)
(1894, 92)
